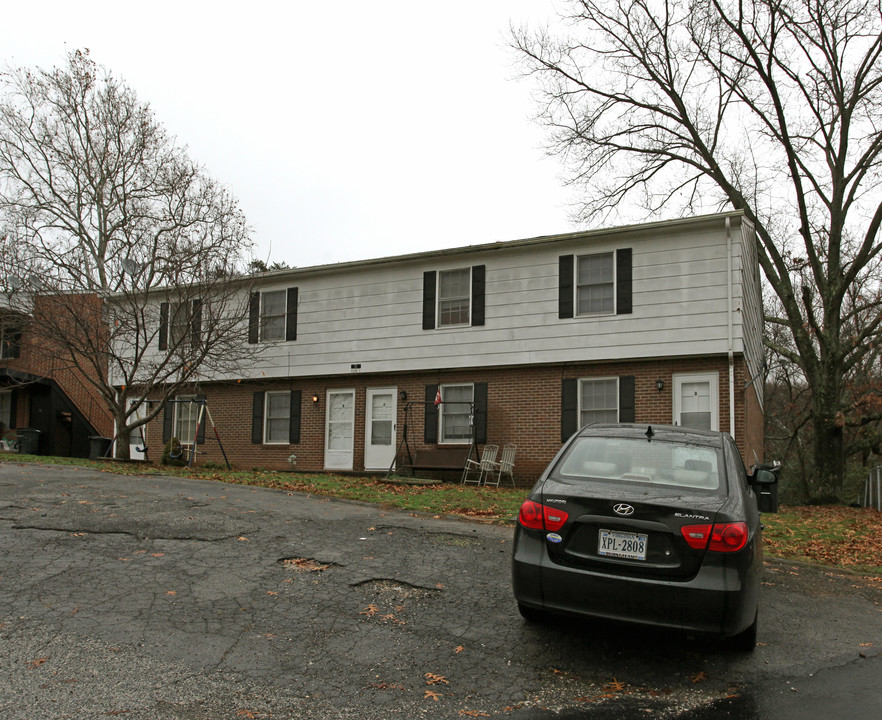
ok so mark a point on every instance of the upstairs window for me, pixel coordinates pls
(180, 324)
(595, 284)
(10, 343)
(272, 316)
(454, 297)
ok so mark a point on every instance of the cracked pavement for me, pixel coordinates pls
(157, 598)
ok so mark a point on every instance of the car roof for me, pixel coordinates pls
(668, 433)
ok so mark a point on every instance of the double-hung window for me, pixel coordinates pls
(598, 401)
(454, 297)
(180, 324)
(595, 284)
(272, 316)
(186, 418)
(457, 414)
(277, 421)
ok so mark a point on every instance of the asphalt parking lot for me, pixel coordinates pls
(154, 598)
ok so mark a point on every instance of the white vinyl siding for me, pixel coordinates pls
(598, 401)
(456, 413)
(277, 420)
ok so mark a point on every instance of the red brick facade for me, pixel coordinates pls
(523, 408)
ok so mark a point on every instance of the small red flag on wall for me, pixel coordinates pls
(438, 397)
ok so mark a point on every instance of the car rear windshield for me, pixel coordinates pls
(637, 460)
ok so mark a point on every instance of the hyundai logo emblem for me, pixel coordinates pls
(623, 509)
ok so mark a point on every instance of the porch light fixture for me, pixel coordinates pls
(403, 395)
(660, 384)
(315, 399)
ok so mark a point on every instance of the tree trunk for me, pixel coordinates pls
(123, 444)
(828, 452)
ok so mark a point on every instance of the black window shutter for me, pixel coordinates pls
(624, 304)
(254, 318)
(163, 326)
(478, 285)
(196, 322)
(13, 409)
(430, 429)
(168, 422)
(481, 413)
(200, 409)
(257, 419)
(626, 399)
(294, 426)
(429, 300)
(569, 405)
(291, 315)
(565, 286)
(13, 348)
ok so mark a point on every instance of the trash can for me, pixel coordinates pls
(28, 441)
(98, 446)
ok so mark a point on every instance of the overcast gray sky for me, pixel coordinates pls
(347, 129)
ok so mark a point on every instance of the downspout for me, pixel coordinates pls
(729, 328)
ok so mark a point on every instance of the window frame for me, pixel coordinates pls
(6, 409)
(264, 316)
(10, 343)
(617, 398)
(577, 286)
(192, 407)
(439, 299)
(286, 435)
(443, 420)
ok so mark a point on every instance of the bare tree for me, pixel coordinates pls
(127, 258)
(771, 107)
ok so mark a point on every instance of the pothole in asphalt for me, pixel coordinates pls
(305, 565)
(394, 590)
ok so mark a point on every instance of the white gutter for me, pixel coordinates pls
(729, 310)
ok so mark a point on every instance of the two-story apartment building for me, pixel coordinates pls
(523, 342)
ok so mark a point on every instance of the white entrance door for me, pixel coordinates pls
(339, 429)
(696, 401)
(379, 433)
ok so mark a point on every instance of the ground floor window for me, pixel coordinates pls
(186, 418)
(456, 413)
(6, 410)
(278, 417)
(598, 401)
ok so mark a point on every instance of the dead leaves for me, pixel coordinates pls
(33, 664)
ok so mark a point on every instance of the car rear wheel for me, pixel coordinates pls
(745, 641)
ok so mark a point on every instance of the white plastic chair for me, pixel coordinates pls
(505, 466)
(482, 466)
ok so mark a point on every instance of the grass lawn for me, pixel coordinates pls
(830, 535)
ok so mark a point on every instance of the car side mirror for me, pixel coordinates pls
(764, 481)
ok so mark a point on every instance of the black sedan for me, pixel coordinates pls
(646, 524)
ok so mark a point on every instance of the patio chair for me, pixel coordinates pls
(480, 467)
(505, 466)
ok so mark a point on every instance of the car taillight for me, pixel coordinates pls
(536, 516)
(720, 537)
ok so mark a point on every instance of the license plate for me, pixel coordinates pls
(614, 543)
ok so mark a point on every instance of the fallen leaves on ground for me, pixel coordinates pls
(436, 696)
(36, 663)
(433, 679)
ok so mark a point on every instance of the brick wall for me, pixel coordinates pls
(523, 407)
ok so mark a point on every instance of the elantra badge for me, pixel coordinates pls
(623, 509)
